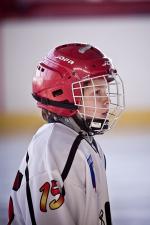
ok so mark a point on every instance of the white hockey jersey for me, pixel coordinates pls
(40, 196)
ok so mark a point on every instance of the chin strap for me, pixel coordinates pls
(98, 125)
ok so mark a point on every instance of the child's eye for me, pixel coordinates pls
(97, 92)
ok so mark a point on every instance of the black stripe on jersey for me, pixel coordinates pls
(105, 161)
(108, 213)
(28, 192)
(71, 157)
(95, 145)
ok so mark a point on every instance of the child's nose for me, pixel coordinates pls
(106, 101)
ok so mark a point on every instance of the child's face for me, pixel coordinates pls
(95, 100)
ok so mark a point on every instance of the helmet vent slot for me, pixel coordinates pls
(41, 68)
(57, 92)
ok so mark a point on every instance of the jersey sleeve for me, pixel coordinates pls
(15, 216)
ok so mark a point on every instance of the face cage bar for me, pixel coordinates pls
(115, 94)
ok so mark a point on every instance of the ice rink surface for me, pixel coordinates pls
(128, 173)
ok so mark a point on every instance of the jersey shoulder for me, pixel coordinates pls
(50, 147)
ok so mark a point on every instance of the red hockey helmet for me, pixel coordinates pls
(58, 83)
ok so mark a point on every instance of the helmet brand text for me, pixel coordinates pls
(62, 58)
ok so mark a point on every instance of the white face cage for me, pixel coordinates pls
(100, 99)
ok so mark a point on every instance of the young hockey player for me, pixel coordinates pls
(62, 180)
